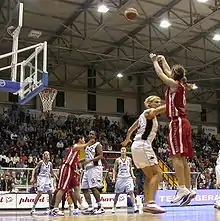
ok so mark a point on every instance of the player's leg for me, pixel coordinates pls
(115, 202)
(153, 175)
(145, 158)
(130, 190)
(64, 180)
(77, 196)
(176, 146)
(86, 193)
(53, 198)
(187, 199)
(50, 194)
(39, 194)
(95, 183)
(187, 174)
(184, 145)
(179, 169)
(63, 201)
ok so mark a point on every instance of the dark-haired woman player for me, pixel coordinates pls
(179, 138)
(68, 176)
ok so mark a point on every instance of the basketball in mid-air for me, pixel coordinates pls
(131, 14)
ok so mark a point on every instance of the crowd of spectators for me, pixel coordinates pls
(24, 137)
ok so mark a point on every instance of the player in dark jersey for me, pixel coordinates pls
(180, 138)
(68, 176)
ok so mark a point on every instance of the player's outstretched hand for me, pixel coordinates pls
(160, 57)
(126, 142)
(91, 141)
(153, 57)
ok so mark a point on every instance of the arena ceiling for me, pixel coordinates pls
(80, 37)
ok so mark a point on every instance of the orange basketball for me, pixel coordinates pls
(131, 14)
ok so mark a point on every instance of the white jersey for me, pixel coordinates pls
(90, 153)
(45, 169)
(124, 168)
(147, 128)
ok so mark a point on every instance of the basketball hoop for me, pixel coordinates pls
(47, 97)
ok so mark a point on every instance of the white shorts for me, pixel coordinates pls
(92, 178)
(44, 184)
(217, 172)
(124, 185)
(143, 154)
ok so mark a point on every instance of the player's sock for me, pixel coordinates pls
(75, 206)
(99, 205)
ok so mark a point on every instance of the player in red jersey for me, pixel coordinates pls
(69, 177)
(180, 137)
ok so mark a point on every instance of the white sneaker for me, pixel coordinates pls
(88, 211)
(57, 212)
(180, 194)
(187, 199)
(153, 208)
(113, 209)
(99, 211)
(76, 211)
(136, 210)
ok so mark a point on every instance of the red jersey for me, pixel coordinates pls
(72, 157)
(176, 101)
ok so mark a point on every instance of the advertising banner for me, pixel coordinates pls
(26, 201)
(163, 198)
(203, 197)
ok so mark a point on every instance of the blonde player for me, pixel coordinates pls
(125, 178)
(217, 172)
(143, 153)
(43, 171)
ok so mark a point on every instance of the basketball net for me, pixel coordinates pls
(47, 97)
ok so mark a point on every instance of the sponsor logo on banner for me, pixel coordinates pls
(8, 201)
(26, 201)
(2, 83)
(108, 200)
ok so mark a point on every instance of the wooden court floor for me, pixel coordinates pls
(191, 213)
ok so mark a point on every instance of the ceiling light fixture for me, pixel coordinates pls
(165, 24)
(103, 9)
(202, 1)
(119, 75)
(216, 37)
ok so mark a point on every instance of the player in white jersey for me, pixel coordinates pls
(125, 178)
(43, 172)
(142, 152)
(217, 172)
(92, 177)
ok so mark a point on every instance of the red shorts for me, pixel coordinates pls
(68, 179)
(180, 137)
